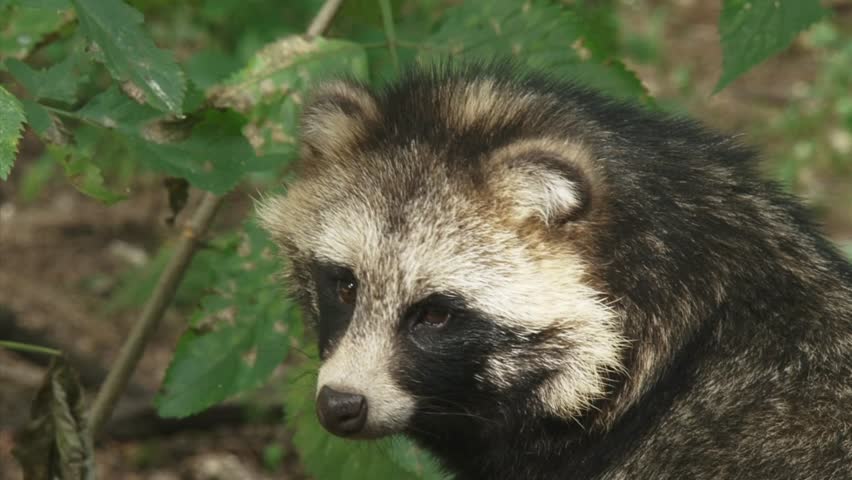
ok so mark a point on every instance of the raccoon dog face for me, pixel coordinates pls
(436, 236)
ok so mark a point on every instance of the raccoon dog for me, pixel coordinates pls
(535, 282)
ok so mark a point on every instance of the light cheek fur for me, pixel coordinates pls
(531, 295)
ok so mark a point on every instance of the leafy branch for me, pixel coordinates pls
(156, 306)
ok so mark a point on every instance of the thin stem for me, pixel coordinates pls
(324, 17)
(390, 32)
(140, 334)
(134, 346)
(26, 347)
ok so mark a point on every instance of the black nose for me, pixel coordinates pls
(341, 413)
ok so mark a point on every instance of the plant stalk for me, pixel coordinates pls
(390, 31)
(143, 329)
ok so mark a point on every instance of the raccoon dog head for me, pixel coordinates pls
(436, 236)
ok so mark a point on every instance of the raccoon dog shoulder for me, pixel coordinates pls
(535, 282)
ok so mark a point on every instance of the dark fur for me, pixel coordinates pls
(739, 312)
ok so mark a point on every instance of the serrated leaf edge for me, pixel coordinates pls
(18, 109)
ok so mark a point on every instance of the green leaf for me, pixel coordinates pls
(54, 443)
(11, 123)
(84, 175)
(612, 77)
(130, 54)
(214, 157)
(327, 456)
(37, 117)
(521, 29)
(269, 90)
(59, 82)
(754, 30)
(113, 109)
(240, 334)
(598, 22)
(46, 4)
(210, 367)
(209, 67)
(540, 33)
(23, 28)
(195, 99)
(47, 125)
(208, 149)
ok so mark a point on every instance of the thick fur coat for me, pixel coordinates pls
(536, 282)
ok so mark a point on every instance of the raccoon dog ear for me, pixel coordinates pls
(544, 183)
(335, 117)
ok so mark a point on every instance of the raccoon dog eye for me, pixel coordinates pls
(434, 317)
(433, 313)
(347, 290)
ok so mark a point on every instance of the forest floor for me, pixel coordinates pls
(63, 255)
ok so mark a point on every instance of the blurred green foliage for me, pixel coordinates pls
(818, 125)
(210, 91)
